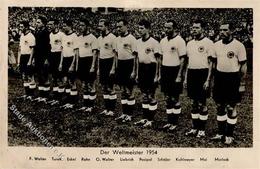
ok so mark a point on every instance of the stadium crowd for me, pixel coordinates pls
(242, 19)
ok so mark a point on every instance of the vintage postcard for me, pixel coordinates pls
(129, 84)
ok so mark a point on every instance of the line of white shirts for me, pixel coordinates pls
(228, 55)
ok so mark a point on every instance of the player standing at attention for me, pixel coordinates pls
(107, 63)
(67, 65)
(126, 50)
(25, 56)
(41, 52)
(86, 63)
(229, 81)
(198, 75)
(173, 49)
(55, 56)
(148, 50)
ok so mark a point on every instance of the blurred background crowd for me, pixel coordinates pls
(242, 18)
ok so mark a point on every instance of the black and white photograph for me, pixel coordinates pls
(130, 77)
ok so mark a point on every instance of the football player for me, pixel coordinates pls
(25, 56)
(126, 51)
(67, 65)
(55, 56)
(107, 63)
(148, 50)
(231, 68)
(86, 63)
(41, 52)
(173, 49)
(198, 74)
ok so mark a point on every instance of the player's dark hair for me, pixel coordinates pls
(230, 25)
(106, 23)
(125, 22)
(25, 24)
(145, 23)
(55, 21)
(43, 19)
(201, 22)
(174, 24)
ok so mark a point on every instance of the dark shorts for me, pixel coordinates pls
(54, 62)
(146, 75)
(66, 63)
(226, 88)
(195, 81)
(23, 64)
(105, 66)
(168, 85)
(123, 72)
(84, 66)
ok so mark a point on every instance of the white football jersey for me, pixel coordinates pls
(198, 52)
(106, 46)
(26, 43)
(229, 55)
(68, 45)
(86, 44)
(172, 50)
(56, 41)
(147, 49)
(125, 46)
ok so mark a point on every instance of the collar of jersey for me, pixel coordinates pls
(172, 37)
(26, 33)
(105, 34)
(228, 42)
(146, 39)
(199, 39)
(86, 34)
(70, 33)
(55, 33)
(125, 35)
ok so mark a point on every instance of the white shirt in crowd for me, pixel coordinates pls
(56, 41)
(106, 46)
(68, 45)
(147, 49)
(125, 46)
(198, 52)
(229, 55)
(26, 43)
(86, 45)
(172, 50)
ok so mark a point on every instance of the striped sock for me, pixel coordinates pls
(130, 106)
(92, 98)
(112, 102)
(152, 110)
(203, 117)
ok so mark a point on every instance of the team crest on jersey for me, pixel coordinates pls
(173, 49)
(26, 42)
(230, 54)
(201, 49)
(126, 46)
(148, 50)
(68, 43)
(86, 45)
(56, 41)
(106, 45)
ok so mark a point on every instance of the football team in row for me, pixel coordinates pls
(55, 59)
